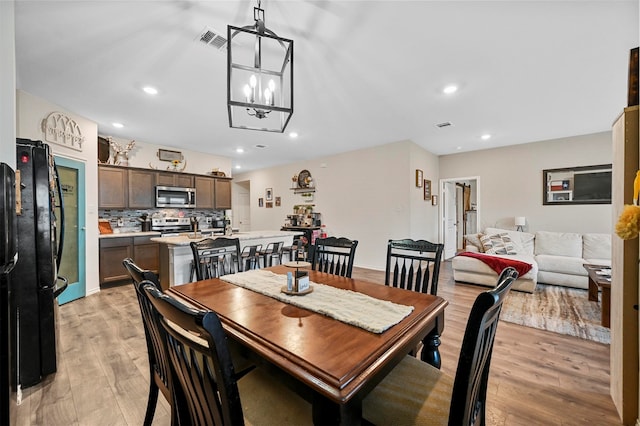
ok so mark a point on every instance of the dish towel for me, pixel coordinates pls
(348, 306)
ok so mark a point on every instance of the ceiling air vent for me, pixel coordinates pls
(444, 124)
(212, 38)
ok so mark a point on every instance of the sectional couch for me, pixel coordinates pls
(556, 257)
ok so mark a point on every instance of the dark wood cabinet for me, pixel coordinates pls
(174, 179)
(222, 194)
(205, 192)
(113, 187)
(113, 250)
(146, 253)
(142, 189)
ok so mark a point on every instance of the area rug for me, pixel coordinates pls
(558, 309)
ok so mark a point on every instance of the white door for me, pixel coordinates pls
(242, 212)
(449, 219)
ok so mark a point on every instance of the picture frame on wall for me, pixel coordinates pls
(434, 200)
(427, 189)
(269, 204)
(278, 201)
(260, 202)
(167, 155)
(419, 178)
(268, 194)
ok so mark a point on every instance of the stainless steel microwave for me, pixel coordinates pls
(175, 197)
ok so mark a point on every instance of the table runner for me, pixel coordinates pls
(348, 306)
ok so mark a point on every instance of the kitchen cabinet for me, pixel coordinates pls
(222, 194)
(174, 179)
(205, 192)
(141, 189)
(113, 250)
(113, 187)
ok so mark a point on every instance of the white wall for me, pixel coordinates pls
(7, 84)
(511, 182)
(145, 155)
(31, 110)
(368, 195)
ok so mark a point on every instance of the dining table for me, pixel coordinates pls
(331, 363)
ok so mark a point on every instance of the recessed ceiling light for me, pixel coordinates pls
(118, 125)
(448, 90)
(239, 150)
(485, 137)
(459, 148)
(150, 90)
(238, 166)
(293, 135)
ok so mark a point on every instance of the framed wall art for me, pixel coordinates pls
(278, 201)
(434, 200)
(268, 194)
(260, 202)
(166, 155)
(419, 178)
(427, 189)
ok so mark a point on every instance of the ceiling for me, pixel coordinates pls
(366, 72)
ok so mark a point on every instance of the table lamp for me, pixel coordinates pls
(520, 221)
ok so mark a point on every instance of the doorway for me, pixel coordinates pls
(459, 210)
(72, 265)
(242, 206)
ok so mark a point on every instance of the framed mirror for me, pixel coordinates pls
(577, 185)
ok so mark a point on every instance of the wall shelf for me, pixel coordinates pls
(303, 190)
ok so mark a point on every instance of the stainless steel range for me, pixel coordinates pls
(171, 225)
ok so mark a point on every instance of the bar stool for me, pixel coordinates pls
(271, 253)
(250, 257)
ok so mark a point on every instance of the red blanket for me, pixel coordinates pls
(499, 263)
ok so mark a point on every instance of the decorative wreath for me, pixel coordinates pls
(628, 226)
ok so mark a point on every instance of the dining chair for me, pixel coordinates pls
(334, 255)
(415, 392)
(272, 252)
(213, 258)
(202, 368)
(159, 376)
(413, 265)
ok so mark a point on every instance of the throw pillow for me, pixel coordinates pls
(474, 240)
(498, 244)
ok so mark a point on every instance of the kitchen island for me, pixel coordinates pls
(176, 255)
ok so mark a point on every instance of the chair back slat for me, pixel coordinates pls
(413, 265)
(469, 394)
(334, 255)
(200, 359)
(213, 258)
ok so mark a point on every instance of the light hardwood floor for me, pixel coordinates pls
(537, 377)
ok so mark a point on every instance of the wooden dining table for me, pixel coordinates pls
(332, 364)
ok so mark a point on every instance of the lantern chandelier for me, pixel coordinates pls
(259, 77)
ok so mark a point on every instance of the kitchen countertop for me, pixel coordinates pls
(185, 240)
(131, 234)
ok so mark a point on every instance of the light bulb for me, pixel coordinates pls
(253, 81)
(272, 85)
(247, 92)
(267, 96)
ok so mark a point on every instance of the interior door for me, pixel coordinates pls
(449, 219)
(241, 207)
(460, 228)
(72, 266)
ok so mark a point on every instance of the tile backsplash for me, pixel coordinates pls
(130, 220)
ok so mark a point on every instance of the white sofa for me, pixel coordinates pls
(556, 258)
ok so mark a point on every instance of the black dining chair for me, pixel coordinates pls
(413, 265)
(334, 255)
(415, 392)
(213, 258)
(159, 376)
(202, 368)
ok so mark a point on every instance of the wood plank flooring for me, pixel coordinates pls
(537, 377)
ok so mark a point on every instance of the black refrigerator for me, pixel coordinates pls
(8, 257)
(34, 282)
